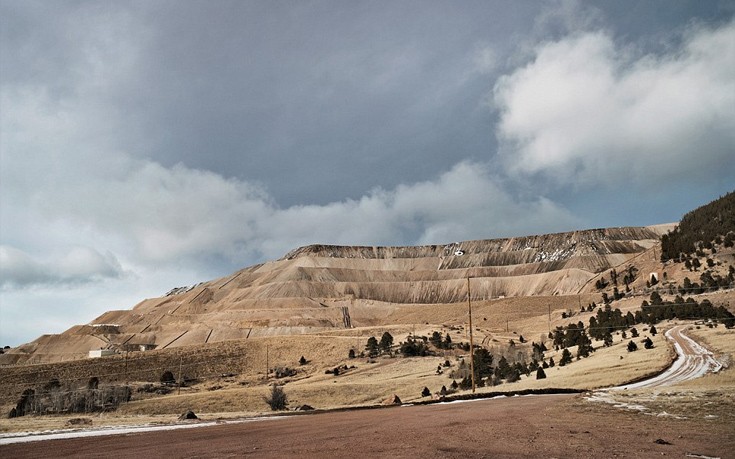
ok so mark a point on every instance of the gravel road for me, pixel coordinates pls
(693, 360)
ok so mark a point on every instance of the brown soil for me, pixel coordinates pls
(540, 426)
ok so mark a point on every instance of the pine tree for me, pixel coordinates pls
(632, 347)
(386, 342)
(372, 346)
(566, 357)
(540, 374)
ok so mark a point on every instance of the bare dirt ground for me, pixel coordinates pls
(535, 426)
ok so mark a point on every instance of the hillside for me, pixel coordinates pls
(700, 228)
(325, 289)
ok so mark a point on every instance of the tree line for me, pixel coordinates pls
(713, 223)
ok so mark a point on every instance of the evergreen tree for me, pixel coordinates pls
(585, 346)
(632, 346)
(426, 392)
(372, 346)
(483, 363)
(648, 343)
(502, 370)
(386, 342)
(566, 357)
(436, 339)
(540, 374)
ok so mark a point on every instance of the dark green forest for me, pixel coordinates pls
(700, 228)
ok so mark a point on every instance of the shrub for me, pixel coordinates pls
(277, 399)
(426, 392)
(632, 346)
(513, 376)
(284, 372)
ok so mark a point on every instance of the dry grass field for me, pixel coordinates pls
(373, 381)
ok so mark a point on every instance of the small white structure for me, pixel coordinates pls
(95, 353)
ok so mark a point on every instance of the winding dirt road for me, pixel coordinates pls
(693, 360)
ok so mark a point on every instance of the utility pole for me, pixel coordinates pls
(179, 390)
(472, 343)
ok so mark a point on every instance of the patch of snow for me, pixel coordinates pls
(24, 437)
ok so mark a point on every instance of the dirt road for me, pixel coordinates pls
(534, 426)
(693, 360)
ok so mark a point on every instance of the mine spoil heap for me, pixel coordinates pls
(322, 287)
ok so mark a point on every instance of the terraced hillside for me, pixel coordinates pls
(321, 288)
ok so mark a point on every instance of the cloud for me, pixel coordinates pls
(174, 215)
(466, 202)
(588, 111)
(77, 265)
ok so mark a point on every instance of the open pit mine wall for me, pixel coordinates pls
(596, 241)
(321, 287)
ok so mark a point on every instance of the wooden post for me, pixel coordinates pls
(180, 360)
(472, 343)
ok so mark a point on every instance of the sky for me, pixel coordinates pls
(150, 145)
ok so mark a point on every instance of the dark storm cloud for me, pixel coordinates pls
(187, 139)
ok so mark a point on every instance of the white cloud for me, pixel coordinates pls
(64, 185)
(582, 109)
